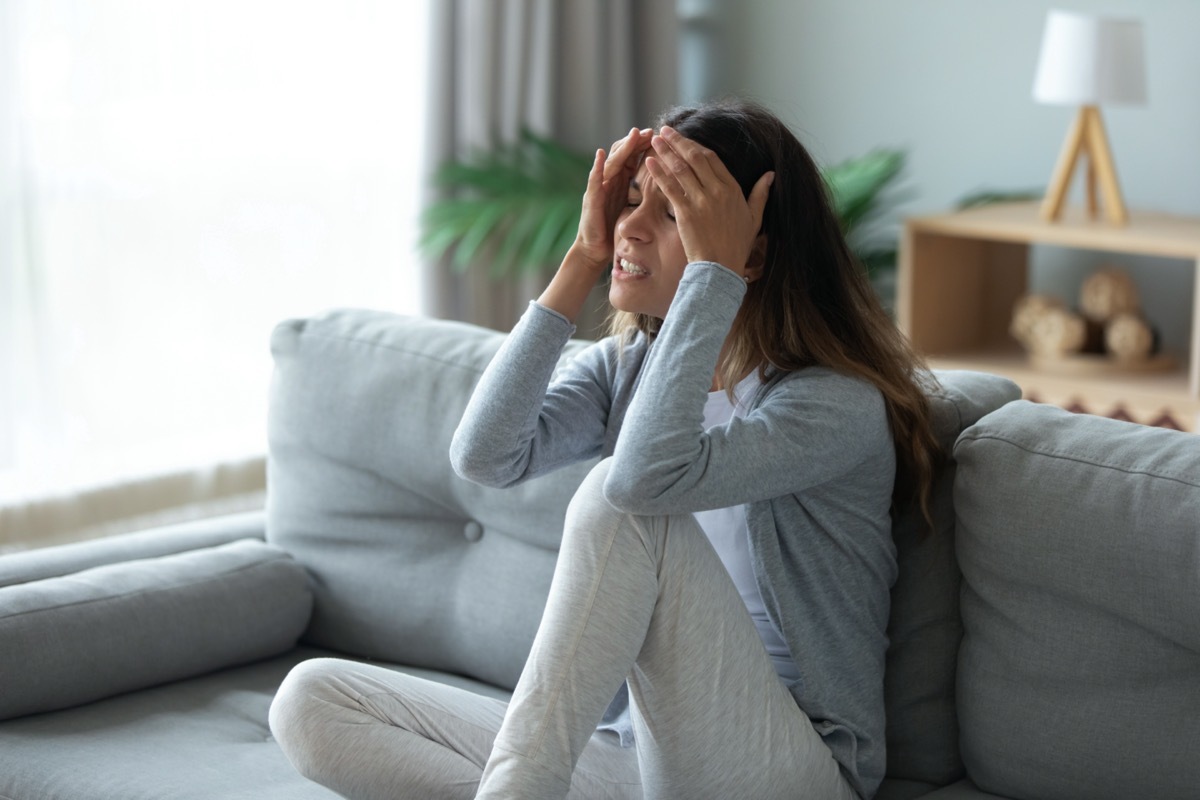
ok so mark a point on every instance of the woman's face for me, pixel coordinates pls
(648, 257)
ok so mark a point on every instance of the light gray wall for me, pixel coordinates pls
(950, 82)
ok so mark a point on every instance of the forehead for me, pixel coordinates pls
(643, 181)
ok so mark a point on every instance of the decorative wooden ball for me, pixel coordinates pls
(1128, 337)
(1056, 332)
(1107, 293)
(1026, 312)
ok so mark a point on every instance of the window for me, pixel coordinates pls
(175, 178)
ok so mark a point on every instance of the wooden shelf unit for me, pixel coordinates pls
(961, 273)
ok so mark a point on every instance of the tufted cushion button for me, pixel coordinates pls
(473, 531)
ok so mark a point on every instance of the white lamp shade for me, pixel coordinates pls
(1089, 60)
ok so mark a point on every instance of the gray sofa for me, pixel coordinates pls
(1044, 644)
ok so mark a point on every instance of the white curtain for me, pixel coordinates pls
(175, 178)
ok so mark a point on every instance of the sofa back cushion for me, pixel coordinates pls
(924, 628)
(1079, 542)
(411, 563)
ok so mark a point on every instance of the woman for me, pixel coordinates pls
(725, 574)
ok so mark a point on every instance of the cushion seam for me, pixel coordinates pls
(141, 592)
(392, 348)
(1079, 459)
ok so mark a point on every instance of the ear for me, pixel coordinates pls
(757, 259)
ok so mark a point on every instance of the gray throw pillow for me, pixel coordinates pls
(924, 629)
(99, 632)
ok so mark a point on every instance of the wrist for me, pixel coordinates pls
(572, 283)
(580, 256)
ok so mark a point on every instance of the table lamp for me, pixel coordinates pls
(1087, 60)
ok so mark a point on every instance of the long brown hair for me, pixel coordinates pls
(813, 305)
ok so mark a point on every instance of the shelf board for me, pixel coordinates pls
(1147, 233)
(1153, 390)
(961, 274)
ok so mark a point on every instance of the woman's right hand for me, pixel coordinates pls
(607, 194)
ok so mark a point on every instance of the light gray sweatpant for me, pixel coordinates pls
(643, 599)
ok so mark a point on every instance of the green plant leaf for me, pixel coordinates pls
(487, 221)
(549, 235)
(522, 197)
(444, 225)
(518, 205)
(511, 255)
(855, 185)
(985, 197)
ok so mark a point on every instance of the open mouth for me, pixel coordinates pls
(631, 268)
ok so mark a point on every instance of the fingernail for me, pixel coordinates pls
(647, 131)
(667, 130)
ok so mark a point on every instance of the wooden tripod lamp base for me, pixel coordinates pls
(1086, 140)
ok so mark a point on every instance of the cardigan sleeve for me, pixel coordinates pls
(518, 424)
(813, 426)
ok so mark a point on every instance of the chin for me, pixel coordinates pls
(630, 305)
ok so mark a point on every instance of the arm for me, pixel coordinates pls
(811, 428)
(516, 424)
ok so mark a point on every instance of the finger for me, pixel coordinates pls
(626, 152)
(618, 150)
(705, 163)
(667, 182)
(672, 164)
(596, 173)
(758, 198)
(620, 145)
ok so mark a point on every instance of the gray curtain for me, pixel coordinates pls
(581, 72)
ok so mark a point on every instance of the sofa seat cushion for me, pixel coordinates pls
(1079, 542)
(197, 739)
(961, 790)
(98, 632)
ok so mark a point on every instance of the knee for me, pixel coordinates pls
(589, 501)
(300, 710)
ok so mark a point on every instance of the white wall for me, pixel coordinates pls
(950, 82)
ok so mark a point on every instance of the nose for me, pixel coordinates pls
(632, 224)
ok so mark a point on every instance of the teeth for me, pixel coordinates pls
(630, 267)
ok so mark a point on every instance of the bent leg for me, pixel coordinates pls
(597, 613)
(711, 716)
(368, 732)
(647, 598)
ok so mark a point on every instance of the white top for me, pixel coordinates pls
(730, 536)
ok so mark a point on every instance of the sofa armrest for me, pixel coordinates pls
(1079, 670)
(50, 562)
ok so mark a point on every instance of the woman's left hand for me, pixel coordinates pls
(716, 221)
